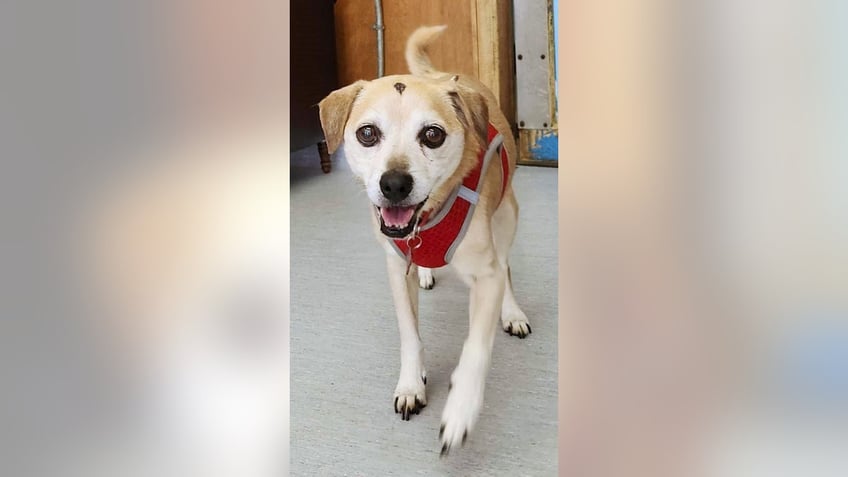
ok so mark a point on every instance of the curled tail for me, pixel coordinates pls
(416, 50)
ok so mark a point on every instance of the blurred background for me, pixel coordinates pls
(145, 237)
(702, 229)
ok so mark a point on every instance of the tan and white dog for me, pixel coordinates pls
(412, 139)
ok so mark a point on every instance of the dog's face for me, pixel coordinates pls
(404, 138)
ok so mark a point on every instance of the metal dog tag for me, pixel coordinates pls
(412, 242)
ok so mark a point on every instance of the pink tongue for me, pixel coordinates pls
(397, 216)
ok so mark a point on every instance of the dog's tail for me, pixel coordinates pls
(416, 50)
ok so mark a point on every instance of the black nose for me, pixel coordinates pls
(396, 185)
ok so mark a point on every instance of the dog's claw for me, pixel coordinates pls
(520, 329)
(448, 443)
(407, 405)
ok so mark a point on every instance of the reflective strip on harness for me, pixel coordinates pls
(468, 194)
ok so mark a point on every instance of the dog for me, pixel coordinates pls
(436, 157)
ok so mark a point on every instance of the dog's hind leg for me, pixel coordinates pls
(504, 223)
(410, 395)
(425, 278)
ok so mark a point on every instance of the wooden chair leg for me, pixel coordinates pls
(326, 165)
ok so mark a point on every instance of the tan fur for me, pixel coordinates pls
(464, 106)
(416, 49)
(334, 111)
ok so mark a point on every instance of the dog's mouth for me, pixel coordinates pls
(398, 221)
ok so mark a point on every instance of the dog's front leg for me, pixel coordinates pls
(410, 395)
(468, 380)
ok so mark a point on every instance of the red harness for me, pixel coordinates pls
(436, 240)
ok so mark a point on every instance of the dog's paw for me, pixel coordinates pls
(465, 400)
(425, 278)
(516, 324)
(410, 398)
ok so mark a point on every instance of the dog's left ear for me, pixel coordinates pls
(334, 111)
(471, 110)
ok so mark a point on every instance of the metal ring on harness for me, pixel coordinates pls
(410, 239)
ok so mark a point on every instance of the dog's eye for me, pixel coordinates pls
(368, 135)
(432, 136)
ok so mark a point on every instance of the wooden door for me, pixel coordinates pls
(478, 41)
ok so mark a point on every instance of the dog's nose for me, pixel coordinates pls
(396, 185)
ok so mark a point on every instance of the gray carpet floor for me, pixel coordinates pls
(345, 345)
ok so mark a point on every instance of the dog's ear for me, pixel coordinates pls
(334, 111)
(471, 110)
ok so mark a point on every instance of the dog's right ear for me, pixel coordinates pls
(334, 111)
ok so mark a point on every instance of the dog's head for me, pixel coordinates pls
(409, 139)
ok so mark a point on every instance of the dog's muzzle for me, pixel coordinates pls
(397, 217)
